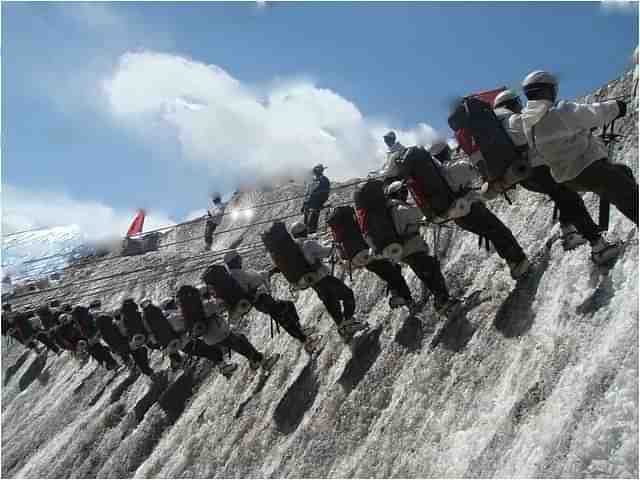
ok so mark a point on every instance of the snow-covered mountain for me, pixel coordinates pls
(35, 254)
(535, 381)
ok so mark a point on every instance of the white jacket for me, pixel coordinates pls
(314, 253)
(216, 212)
(406, 220)
(561, 134)
(390, 168)
(251, 280)
(512, 124)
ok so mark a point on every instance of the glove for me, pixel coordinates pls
(622, 107)
(304, 207)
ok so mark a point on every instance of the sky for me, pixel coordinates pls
(109, 107)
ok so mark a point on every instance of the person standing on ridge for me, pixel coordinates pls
(316, 194)
(395, 149)
(214, 216)
(576, 224)
(560, 133)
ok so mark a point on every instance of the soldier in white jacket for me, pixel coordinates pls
(560, 133)
(576, 224)
(390, 170)
(257, 286)
(407, 220)
(214, 216)
(334, 294)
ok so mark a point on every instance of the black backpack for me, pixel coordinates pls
(225, 286)
(190, 304)
(159, 325)
(287, 255)
(131, 318)
(428, 186)
(84, 321)
(46, 317)
(111, 333)
(373, 215)
(345, 231)
(498, 151)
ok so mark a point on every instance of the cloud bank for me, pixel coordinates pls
(26, 209)
(242, 132)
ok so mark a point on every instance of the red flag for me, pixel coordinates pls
(136, 225)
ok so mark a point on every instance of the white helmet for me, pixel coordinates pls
(145, 302)
(438, 146)
(394, 187)
(168, 303)
(298, 228)
(504, 97)
(203, 289)
(538, 79)
(230, 256)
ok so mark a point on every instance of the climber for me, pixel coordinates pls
(256, 285)
(129, 321)
(355, 252)
(395, 150)
(216, 332)
(213, 218)
(334, 294)
(560, 134)
(316, 194)
(446, 192)
(441, 151)
(86, 325)
(20, 328)
(407, 220)
(576, 224)
(113, 337)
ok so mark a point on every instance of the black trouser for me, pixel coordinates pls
(209, 228)
(614, 182)
(140, 356)
(240, 344)
(569, 203)
(427, 269)
(283, 312)
(331, 292)
(391, 274)
(201, 349)
(47, 342)
(482, 222)
(311, 217)
(101, 354)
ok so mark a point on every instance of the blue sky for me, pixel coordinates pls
(113, 106)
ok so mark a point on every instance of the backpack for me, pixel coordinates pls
(226, 287)
(84, 321)
(287, 255)
(158, 324)
(346, 233)
(131, 318)
(190, 304)
(501, 158)
(46, 317)
(111, 333)
(374, 218)
(428, 187)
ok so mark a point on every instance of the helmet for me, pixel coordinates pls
(438, 146)
(504, 97)
(64, 319)
(203, 289)
(395, 187)
(389, 138)
(230, 256)
(298, 228)
(145, 302)
(319, 168)
(538, 80)
(168, 303)
(216, 197)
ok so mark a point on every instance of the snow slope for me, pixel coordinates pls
(535, 381)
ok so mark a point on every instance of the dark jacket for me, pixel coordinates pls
(317, 192)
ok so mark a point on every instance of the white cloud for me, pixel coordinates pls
(26, 209)
(621, 6)
(248, 133)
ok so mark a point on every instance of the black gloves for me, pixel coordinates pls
(622, 107)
